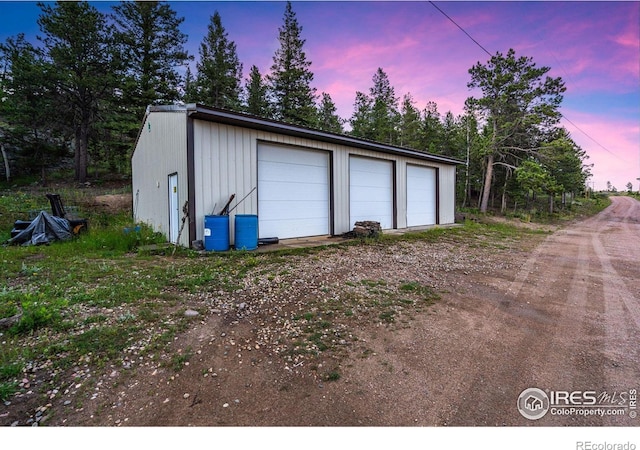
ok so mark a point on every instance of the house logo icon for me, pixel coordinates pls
(533, 403)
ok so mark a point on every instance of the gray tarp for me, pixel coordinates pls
(44, 229)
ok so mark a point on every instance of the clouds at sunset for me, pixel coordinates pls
(615, 162)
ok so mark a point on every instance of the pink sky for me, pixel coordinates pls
(593, 46)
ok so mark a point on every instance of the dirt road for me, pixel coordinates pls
(568, 320)
(561, 316)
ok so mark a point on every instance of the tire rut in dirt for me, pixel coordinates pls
(541, 319)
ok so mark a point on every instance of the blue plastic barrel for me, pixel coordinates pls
(246, 235)
(216, 233)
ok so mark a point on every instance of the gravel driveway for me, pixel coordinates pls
(557, 312)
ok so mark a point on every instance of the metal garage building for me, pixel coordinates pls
(308, 182)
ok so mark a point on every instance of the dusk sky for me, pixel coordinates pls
(593, 46)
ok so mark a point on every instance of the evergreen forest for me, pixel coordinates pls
(74, 100)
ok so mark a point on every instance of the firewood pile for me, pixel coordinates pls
(367, 229)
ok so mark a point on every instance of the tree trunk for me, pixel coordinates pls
(503, 205)
(81, 152)
(487, 184)
(467, 190)
(486, 192)
(551, 203)
(484, 171)
(7, 169)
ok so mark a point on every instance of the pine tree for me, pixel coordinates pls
(290, 78)
(219, 70)
(79, 44)
(190, 87)
(28, 117)
(328, 118)
(565, 161)
(411, 133)
(432, 128)
(519, 103)
(376, 115)
(256, 98)
(452, 133)
(152, 49)
(361, 118)
(385, 115)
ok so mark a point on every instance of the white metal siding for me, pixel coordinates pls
(293, 192)
(161, 150)
(421, 195)
(226, 162)
(371, 191)
(447, 194)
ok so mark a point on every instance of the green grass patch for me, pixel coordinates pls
(423, 292)
(178, 360)
(334, 375)
(8, 310)
(387, 316)
(7, 389)
(9, 371)
(103, 342)
(317, 340)
(98, 294)
(38, 312)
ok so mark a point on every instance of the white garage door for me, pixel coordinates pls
(421, 196)
(293, 192)
(371, 191)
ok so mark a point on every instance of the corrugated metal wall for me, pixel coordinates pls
(161, 150)
(447, 191)
(226, 163)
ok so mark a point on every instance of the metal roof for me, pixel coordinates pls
(218, 115)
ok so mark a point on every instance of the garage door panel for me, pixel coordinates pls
(371, 191)
(421, 196)
(370, 165)
(293, 192)
(286, 192)
(293, 173)
(368, 193)
(368, 183)
(277, 153)
(279, 209)
(295, 227)
(370, 179)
